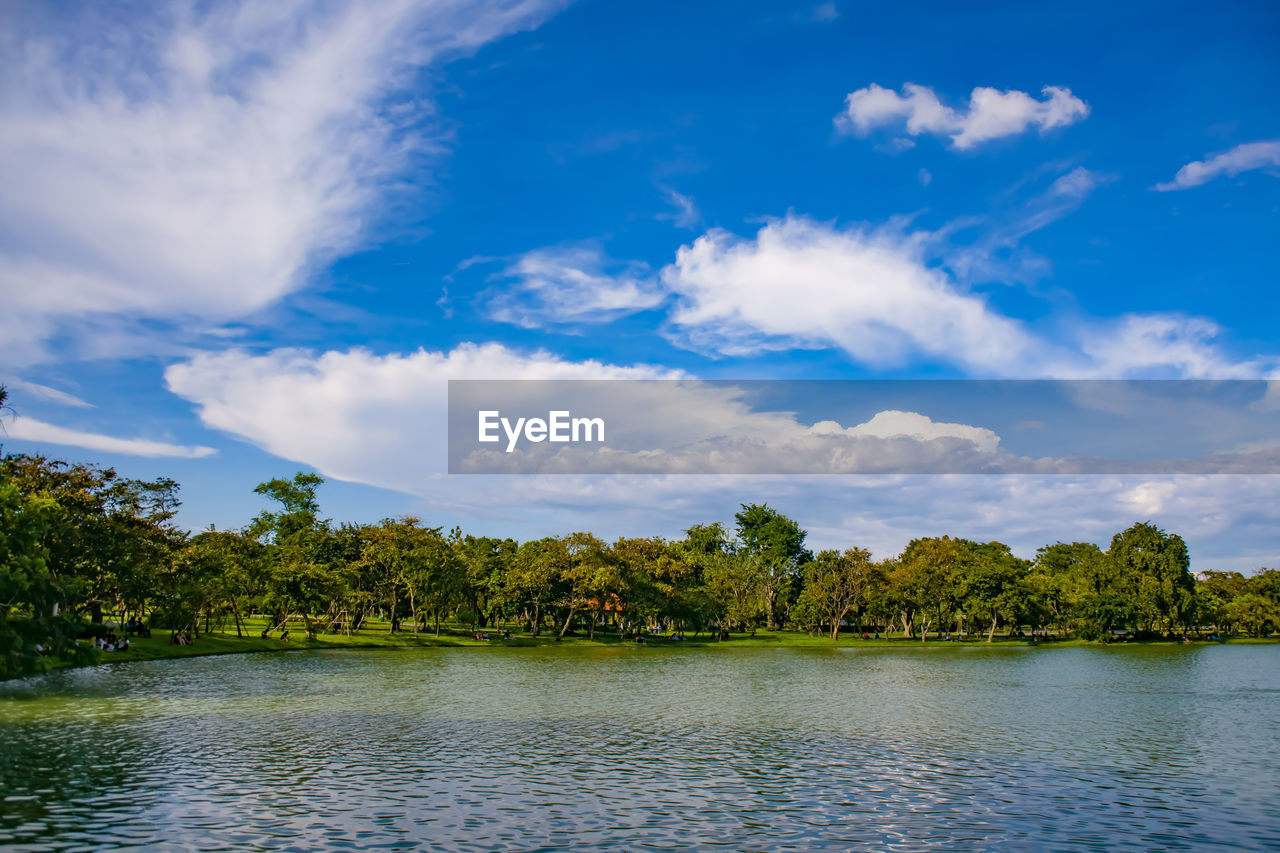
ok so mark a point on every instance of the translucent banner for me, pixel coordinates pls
(863, 427)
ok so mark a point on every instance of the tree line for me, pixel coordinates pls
(80, 545)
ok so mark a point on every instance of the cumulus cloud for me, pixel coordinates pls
(991, 113)
(39, 432)
(893, 423)
(199, 163)
(1242, 158)
(803, 283)
(572, 284)
(874, 294)
(376, 419)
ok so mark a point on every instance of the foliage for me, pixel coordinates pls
(79, 544)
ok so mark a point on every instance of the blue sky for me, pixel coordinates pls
(248, 240)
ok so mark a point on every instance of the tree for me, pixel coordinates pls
(1256, 614)
(302, 579)
(1155, 571)
(735, 581)
(929, 580)
(837, 583)
(35, 631)
(536, 572)
(993, 583)
(778, 543)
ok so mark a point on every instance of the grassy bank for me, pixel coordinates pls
(158, 646)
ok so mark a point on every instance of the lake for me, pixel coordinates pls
(651, 748)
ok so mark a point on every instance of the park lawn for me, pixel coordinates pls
(158, 646)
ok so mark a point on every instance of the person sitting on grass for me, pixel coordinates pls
(284, 638)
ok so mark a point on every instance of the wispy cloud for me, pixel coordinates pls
(824, 12)
(562, 285)
(200, 162)
(1242, 158)
(684, 213)
(991, 113)
(29, 429)
(44, 392)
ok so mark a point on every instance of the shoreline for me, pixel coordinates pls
(158, 647)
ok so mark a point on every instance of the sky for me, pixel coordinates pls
(241, 240)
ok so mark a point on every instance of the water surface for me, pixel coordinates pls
(657, 748)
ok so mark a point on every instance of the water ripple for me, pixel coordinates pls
(634, 749)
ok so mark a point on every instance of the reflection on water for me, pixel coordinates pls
(651, 748)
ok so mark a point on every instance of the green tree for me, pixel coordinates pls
(836, 584)
(994, 584)
(1155, 571)
(35, 631)
(1255, 614)
(778, 543)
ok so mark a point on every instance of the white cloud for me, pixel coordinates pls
(802, 283)
(1161, 345)
(1242, 158)
(28, 429)
(807, 284)
(200, 162)
(991, 113)
(893, 424)
(376, 419)
(571, 284)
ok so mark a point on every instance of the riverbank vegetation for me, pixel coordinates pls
(84, 552)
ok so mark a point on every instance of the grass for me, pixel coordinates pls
(377, 636)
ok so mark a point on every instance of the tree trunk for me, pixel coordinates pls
(991, 635)
(565, 626)
(835, 624)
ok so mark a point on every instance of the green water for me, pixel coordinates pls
(651, 748)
